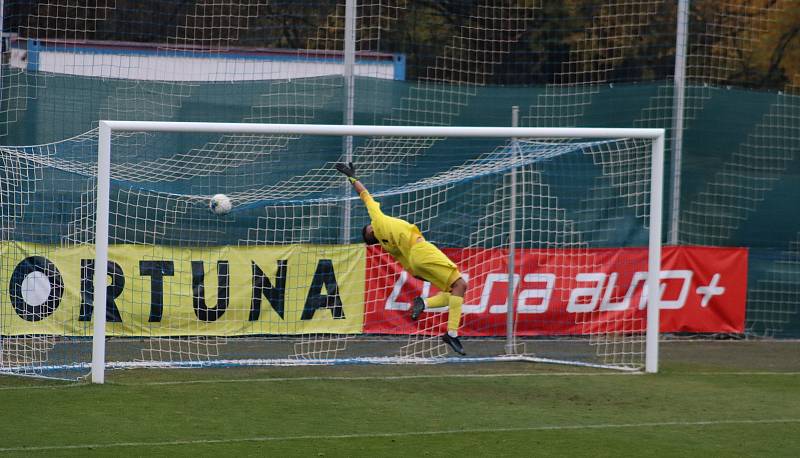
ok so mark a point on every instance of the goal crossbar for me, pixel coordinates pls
(388, 131)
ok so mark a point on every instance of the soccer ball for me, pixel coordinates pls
(220, 204)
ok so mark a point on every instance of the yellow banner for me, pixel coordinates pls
(178, 291)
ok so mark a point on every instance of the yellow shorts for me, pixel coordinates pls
(429, 263)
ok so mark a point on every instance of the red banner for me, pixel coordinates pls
(568, 292)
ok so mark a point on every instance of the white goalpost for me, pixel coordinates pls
(557, 232)
(653, 137)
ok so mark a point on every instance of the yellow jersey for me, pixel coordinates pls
(395, 235)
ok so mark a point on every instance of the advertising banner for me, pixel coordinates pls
(350, 289)
(570, 291)
(162, 290)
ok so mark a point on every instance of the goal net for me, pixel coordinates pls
(555, 231)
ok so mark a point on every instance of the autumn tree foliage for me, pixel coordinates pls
(747, 43)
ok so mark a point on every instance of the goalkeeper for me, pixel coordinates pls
(422, 259)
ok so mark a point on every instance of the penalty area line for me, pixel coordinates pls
(542, 428)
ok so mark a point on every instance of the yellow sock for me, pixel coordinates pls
(454, 317)
(439, 300)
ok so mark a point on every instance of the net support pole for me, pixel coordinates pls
(512, 220)
(654, 255)
(678, 103)
(101, 254)
(349, 102)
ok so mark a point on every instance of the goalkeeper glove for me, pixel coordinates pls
(349, 170)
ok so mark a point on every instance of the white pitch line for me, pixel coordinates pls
(436, 376)
(322, 379)
(402, 434)
(396, 377)
(379, 378)
(325, 379)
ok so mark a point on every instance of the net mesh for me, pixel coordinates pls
(272, 283)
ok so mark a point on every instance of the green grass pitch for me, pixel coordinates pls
(720, 398)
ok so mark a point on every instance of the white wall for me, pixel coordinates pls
(146, 66)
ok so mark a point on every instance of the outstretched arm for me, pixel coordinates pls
(373, 208)
(350, 171)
